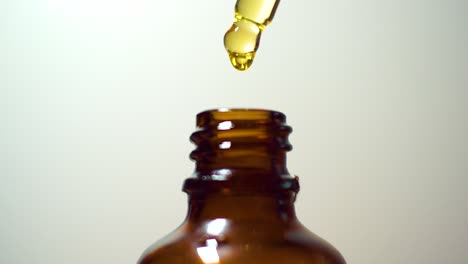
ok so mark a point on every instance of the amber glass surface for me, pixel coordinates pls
(241, 198)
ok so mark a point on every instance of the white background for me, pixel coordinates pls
(98, 99)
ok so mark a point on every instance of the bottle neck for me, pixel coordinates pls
(273, 209)
(242, 162)
(241, 150)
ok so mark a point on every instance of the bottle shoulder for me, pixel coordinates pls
(292, 245)
(313, 246)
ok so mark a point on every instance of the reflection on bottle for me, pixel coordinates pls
(221, 175)
(216, 227)
(225, 145)
(226, 125)
(209, 254)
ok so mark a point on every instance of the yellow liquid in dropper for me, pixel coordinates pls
(242, 39)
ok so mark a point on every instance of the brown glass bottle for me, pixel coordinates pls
(241, 198)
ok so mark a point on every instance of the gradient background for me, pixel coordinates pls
(98, 99)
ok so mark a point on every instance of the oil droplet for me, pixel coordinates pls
(241, 61)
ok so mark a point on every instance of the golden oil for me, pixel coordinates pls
(242, 39)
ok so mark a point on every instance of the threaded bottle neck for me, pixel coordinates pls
(245, 148)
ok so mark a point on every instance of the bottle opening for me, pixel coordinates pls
(210, 118)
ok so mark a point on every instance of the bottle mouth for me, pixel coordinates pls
(224, 118)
